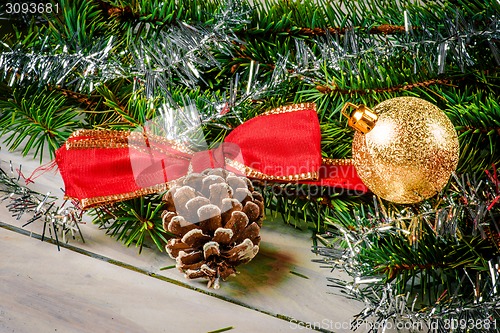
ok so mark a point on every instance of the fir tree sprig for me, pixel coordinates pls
(137, 221)
(440, 256)
(36, 120)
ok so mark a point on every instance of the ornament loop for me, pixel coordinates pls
(361, 119)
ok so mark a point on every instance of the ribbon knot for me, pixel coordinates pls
(226, 156)
(282, 145)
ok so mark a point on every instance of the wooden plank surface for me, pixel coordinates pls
(265, 289)
(46, 291)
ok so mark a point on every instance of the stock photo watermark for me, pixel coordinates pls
(31, 7)
(404, 325)
(354, 324)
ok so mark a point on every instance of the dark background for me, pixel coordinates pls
(20, 21)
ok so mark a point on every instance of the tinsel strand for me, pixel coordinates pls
(21, 201)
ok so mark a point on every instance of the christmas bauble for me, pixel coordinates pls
(410, 153)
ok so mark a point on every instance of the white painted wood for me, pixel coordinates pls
(46, 291)
(61, 280)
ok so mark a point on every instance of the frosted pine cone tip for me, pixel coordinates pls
(216, 218)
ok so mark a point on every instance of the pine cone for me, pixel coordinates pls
(216, 217)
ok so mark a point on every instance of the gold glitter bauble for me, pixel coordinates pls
(410, 153)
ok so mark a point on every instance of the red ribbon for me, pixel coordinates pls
(101, 167)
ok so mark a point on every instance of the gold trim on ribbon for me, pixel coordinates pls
(291, 108)
(339, 162)
(114, 198)
(120, 139)
(252, 173)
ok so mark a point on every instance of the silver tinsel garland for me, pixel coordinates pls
(59, 221)
(468, 200)
(181, 53)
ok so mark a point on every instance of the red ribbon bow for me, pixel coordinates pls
(282, 145)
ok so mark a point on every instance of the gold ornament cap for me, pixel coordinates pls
(362, 118)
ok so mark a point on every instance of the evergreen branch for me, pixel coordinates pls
(163, 13)
(185, 70)
(36, 120)
(135, 221)
(123, 12)
(478, 130)
(332, 90)
(122, 112)
(433, 254)
(426, 252)
(305, 205)
(336, 139)
(385, 29)
(291, 192)
(79, 25)
(89, 102)
(486, 130)
(301, 32)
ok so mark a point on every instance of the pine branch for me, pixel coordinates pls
(88, 102)
(37, 120)
(132, 112)
(135, 221)
(304, 205)
(79, 26)
(397, 88)
(162, 13)
(427, 252)
(486, 130)
(478, 130)
(123, 12)
(385, 29)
